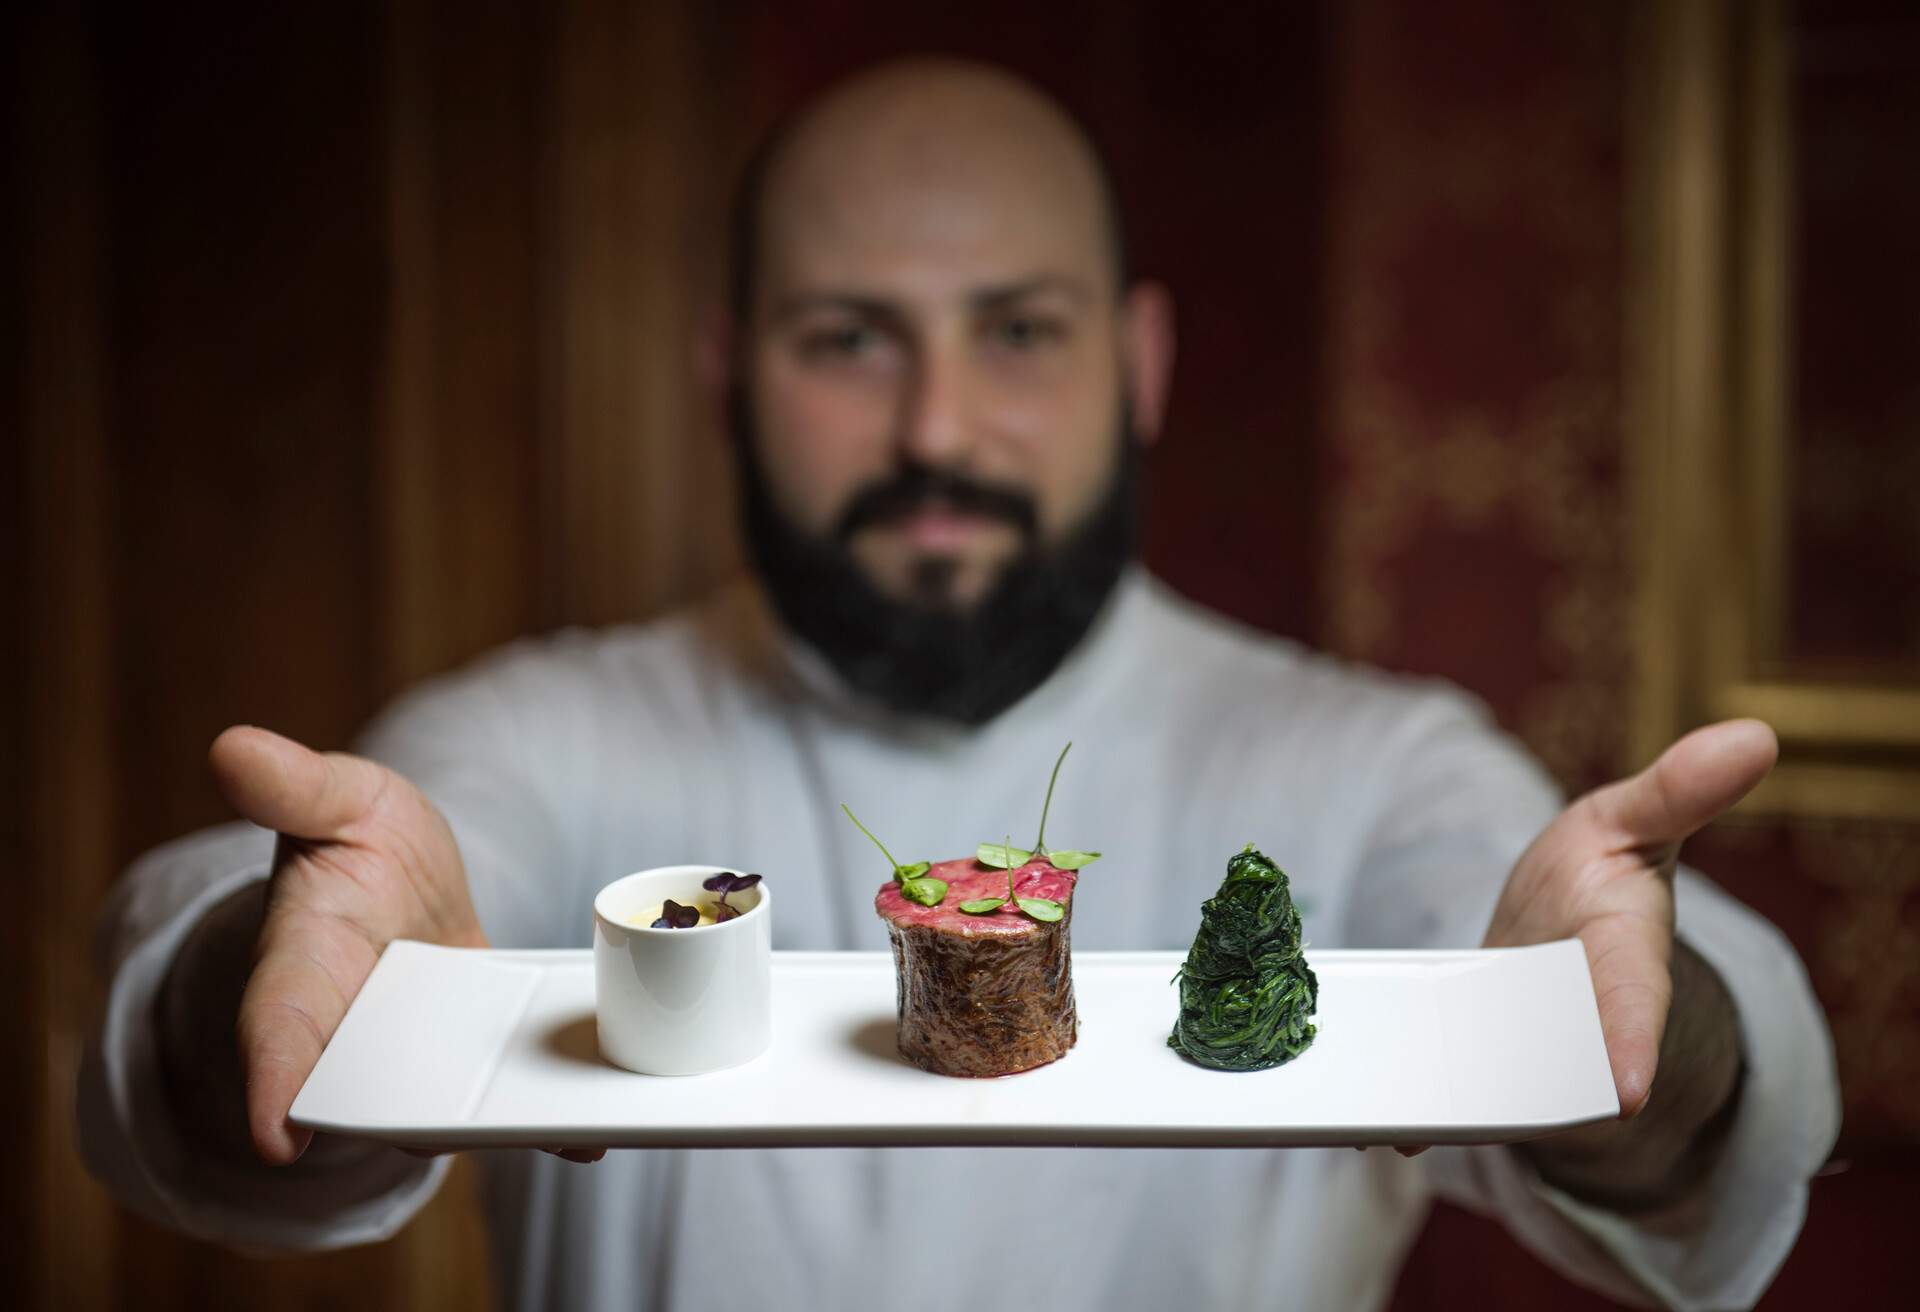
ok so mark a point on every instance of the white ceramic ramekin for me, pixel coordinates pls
(681, 1001)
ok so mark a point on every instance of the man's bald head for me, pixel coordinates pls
(906, 135)
(939, 383)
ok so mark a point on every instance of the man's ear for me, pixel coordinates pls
(1147, 340)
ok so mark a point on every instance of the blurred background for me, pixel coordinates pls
(1568, 352)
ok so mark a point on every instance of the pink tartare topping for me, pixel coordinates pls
(966, 880)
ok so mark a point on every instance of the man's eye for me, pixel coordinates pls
(845, 342)
(1024, 332)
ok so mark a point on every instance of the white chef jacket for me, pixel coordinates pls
(713, 736)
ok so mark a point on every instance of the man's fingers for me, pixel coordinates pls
(1693, 783)
(291, 1007)
(584, 1156)
(1633, 984)
(280, 785)
(276, 1065)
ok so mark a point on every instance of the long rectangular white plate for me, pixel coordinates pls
(452, 1048)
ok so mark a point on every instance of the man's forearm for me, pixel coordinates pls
(1656, 1159)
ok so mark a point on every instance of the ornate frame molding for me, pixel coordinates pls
(1709, 172)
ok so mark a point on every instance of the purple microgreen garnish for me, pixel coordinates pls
(724, 883)
(675, 916)
(727, 882)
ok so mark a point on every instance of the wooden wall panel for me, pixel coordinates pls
(639, 512)
(456, 462)
(246, 268)
(20, 967)
(361, 348)
(246, 294)
(59, 1228)
(212, 510)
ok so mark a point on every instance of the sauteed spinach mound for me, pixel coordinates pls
(1246, 991)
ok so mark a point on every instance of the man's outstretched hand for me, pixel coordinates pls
(1602, 872)
(363, 859)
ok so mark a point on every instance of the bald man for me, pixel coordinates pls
(939, 380)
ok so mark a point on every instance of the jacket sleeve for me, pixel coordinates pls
(1462, 805)
(496, 748)
(338, 1194)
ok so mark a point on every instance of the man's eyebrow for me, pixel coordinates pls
(993, 298)
(885, 310)
(870, 307)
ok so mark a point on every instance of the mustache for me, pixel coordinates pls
(915, 487)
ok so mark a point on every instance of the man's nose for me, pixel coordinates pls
(935, 425)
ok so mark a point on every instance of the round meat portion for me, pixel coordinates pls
(988, 994)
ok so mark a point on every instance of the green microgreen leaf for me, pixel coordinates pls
(1059, 860)
(1040, 843)
(1001, 856)
(894, 865)
(927, 892)
(1042, 908)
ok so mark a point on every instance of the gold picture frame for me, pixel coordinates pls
(1709, 173)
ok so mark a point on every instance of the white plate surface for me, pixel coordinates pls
(453, 1048)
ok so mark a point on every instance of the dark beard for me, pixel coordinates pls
(925, 657)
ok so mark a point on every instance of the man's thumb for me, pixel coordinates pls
(280, 785)
(1692, 783)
